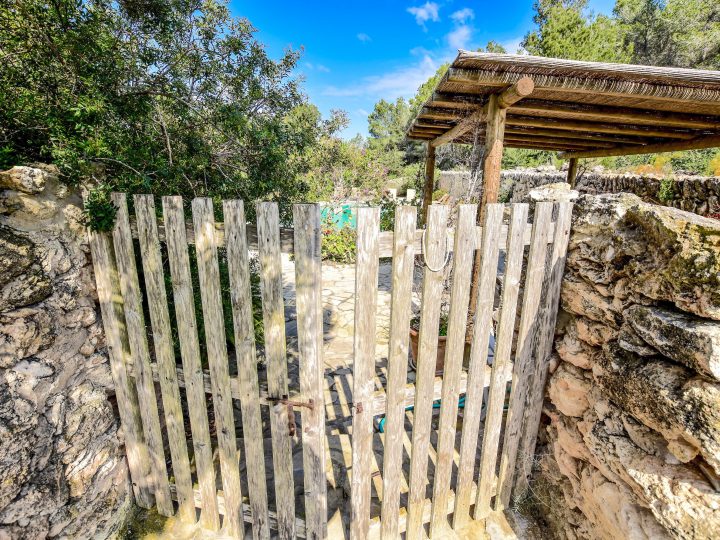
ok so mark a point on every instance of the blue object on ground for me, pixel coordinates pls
(342, 216)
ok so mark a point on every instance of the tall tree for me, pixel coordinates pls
(565, 29)
(169, 96)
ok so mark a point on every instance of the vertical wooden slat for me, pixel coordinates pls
(241, 299)
(546, 332)
(403, 264)
(501, 362)
(529, 320)
(268, 224)
(464, 249)
(164, 354)
(434, 252)
(174, 219)
(308, 292)
(366, 282)
(492, 229)
(106, 280)
(214, 324)
(137, 338)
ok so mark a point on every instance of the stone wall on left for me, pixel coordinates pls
(62, 467)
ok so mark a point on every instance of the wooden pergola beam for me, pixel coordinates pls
(551, 134)
(627, 115)
(708, 141)
(520, 89)
(596, 127)
(558, 142)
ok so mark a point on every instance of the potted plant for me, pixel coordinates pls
(415, 346)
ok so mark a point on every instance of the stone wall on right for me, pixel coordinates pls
(630, 441)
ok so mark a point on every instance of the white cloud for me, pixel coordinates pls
(318, 67)
(427, 12)
(460, 37)
(364, 37)
(402, 82)
(513, 46)
(419, 51)
(462, 15)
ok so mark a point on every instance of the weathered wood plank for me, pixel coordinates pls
(402, 277)
(308, 293)
(501, 362)
(137, 339)
(478, 363)
(164, 353)
(546, 332)
(246, 511)
(174, 218)
(214, 324)
(457, 321)
(366, 281)
(522, 370)
(424, 391)
(247, 380)
(268, 228)
(425, 515)
(107, 282)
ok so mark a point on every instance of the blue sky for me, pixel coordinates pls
(355, 53)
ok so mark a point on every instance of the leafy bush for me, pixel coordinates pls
(338, 243)
(99, 213)
(666, 191)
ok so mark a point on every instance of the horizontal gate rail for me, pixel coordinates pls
(385, 238)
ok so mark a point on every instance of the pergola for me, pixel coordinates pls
(580, 109)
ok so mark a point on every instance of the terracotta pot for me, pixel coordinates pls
(414, 345)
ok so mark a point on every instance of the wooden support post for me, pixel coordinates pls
(429, 180)
(572, 171)
(495, 133)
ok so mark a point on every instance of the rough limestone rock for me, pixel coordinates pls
(581, 298)
(609, 249)
(689, 340)
(62, 463)
(568, 388)
(609, 505)
(572, 349)
(679, 496)
(684, 504)
(559, 191)
(664, 396)
(630, 444)
(23, 179)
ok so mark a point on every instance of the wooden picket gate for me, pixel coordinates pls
(142, 355)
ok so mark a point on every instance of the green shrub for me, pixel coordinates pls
(338, 243)
(666, 190)
(99, 212)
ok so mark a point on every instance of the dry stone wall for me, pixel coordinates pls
(62, 468)
(630, 446)
(698, 194)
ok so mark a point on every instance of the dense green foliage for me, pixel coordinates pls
(565, 31)
(682, 33)
(161, 96)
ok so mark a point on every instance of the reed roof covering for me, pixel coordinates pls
(577, 107)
